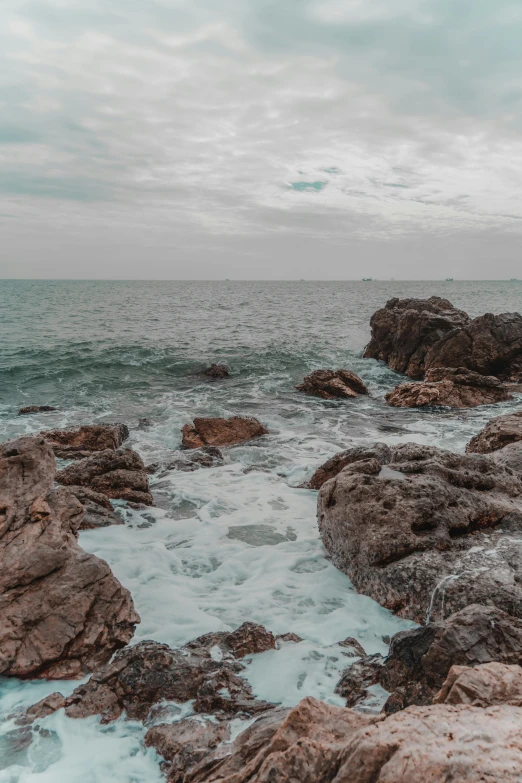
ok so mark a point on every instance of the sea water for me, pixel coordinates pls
(227, 544)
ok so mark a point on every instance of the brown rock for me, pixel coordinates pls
(186, 743)
(498, 432)
(35, 409)
(454, 388)
(79, 442)
(510, 456)
(331, 384)
(98, 509)
(404, 330)
(217, 371)
(337, 463)
(62, 612)
(482, 686)
(420, 535)
(115, 474)
(221, 432)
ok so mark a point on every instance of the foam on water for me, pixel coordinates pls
(227, 544)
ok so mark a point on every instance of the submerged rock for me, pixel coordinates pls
(115, 474)
(79, 442)
(429, 532)
(62, 611)
(221, 432)
(217, 371)
(415, 335)
(35, 409)
(454, 388)
(498, 432)
(206, 457)
(332, 384)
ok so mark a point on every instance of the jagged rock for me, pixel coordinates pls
(80, 442)
(62, 612)
(426, 533)
(98, 509)
(357, 678)
(186, 743)
(221, 432)
(206, 457)
(405, 329)
(415, 335)
(205, 670)
(35, 409)
(498, 433)
(355, 648)
(454, 388)
(116, 474)
(217, 371)
(482, 686)
(331, 384)
(287, 637)
(334, 465)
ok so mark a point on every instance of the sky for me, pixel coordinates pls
(257, 139)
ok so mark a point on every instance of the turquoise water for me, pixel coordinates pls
(107, 351)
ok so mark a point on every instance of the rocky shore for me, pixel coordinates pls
(431, 535)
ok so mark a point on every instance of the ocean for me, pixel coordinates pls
(231, 543)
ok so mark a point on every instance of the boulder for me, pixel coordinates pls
(510, 456)
(334, 465)
(454, 388)
(332, 384)
(62, 611)
(498, 432)
(425, 533)
(404, 330)
(115, 474)
(207, 457)
(415, 335)
(420, 660)
(221, 432)
(98, 509)
(483, 686)
(186, 743)
(35, 409)
(217, 371)
(80, 442)
(205, 670)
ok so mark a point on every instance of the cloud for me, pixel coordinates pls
(196, 124)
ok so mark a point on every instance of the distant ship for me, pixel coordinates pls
(367, 279)
(449, 280)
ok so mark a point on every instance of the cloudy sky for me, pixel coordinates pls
(201, 139)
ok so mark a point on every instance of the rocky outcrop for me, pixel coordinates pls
(186, 744)
(510, 457)
(454, 388)
(205, 670)
(415, 335)
(115, 474)
(80, 442)
(35, 409)
(221, 432)
(482, 686)
(405, 329)
(98, 509)
(62, 611)
(499, 432)
(427, 533)
(420, 660)
(334, 465)
(332, 384)
(207, 457)
(217, 371)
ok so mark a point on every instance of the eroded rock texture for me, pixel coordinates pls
(221, 432)
(80, 442)
(334, 465)
(98, 509)
(415, 335)
(332, 384)
(62, 611)
(114, 473)
(498, 433)
(483, 686)
(455, 388)
(427, 533)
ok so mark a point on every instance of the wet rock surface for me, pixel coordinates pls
(186, 743)
(454, 388)
(62, 611)
(221, 432)
(498, 433)
(35, 409)
(206, 457)
(333, 466)
(332, 384)
(427, 533)
(98, 509)
(114, 473)
(415, 335)
(216, 371)
(80, 442)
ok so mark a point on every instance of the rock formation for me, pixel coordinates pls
(217, 371)
(332, 384)
(498, 432)
(80, 442)
(415, 335)
(455, 388)
(98, 509)
(35, 409)
(483, 686)
(221, 432)
(62, 612)
(207, 457)
(333, 466)
(428, 532)
(115, 474)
